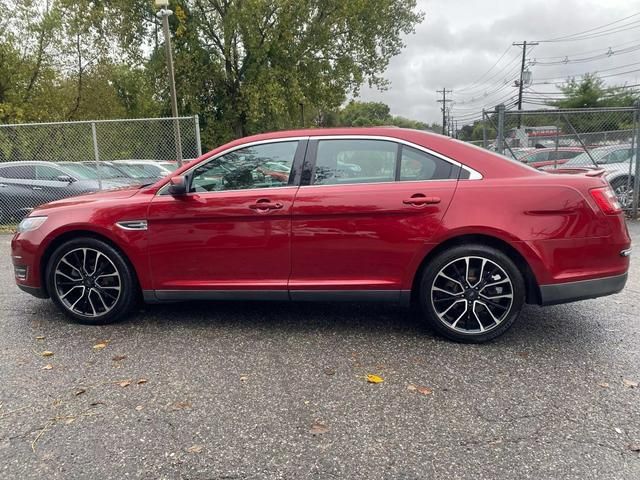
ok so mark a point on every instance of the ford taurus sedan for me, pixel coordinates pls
(465, 234)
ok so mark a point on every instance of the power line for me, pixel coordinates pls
(563, 38)
(475, 82)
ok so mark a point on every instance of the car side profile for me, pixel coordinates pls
(369, 214)
(25, 185)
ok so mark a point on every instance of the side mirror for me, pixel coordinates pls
(178, 186)
(65, 178)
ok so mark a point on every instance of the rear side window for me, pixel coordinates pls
(355, 161)
(44, 172)
(417, 165)
(19, 172)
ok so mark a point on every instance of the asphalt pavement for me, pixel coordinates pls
(279, 391)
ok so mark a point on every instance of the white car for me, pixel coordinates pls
(618, 161)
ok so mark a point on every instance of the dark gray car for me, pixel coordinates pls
(25, 185)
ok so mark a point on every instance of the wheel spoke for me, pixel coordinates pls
(473, 309)
(444, 275)
(438, 289)
(71, 290)
(496, 297)
(453, 325)
(486, 307)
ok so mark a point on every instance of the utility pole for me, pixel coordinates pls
(164, 14)
(444, 102)
(521, 82)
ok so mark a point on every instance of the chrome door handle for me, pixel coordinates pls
(37, 188)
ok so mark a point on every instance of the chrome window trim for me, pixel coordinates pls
(162, 191)
(473, 174)
(133, 224)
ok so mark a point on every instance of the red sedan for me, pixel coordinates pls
(380, 214)
(544, 157)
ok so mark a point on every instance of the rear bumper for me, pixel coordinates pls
(581, 290)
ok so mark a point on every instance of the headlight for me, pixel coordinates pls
(30, 223)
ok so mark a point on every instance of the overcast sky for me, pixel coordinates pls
(460, 40)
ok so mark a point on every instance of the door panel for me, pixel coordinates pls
(363, 237)
(233, 230)
(221, 240)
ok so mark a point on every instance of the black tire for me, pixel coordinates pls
(127, 294)
(624, 194)
(506, 278)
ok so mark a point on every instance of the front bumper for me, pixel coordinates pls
(35, 291)
(581, 290)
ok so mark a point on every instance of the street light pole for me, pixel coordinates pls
(164, 15)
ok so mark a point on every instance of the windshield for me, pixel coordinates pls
(133, 171)
(584, 160)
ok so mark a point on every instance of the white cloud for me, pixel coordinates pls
(460, 40)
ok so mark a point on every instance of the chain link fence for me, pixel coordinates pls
(594, 138)
(43, 162)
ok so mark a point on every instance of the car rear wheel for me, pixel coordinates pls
(623, 188)
(471, 293)
(91, 282)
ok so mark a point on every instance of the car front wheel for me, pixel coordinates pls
(91, 281)
(471, 293)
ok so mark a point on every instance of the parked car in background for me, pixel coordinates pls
(618, 161)
(468, 235)
(542, 157)
(148, 168)
(26, 185)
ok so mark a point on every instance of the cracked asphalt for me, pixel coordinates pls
(244, 390)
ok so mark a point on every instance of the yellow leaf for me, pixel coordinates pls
(100, 346)
(371, 378)
(48, 366)
(47, 353)
(411, 387)
(39, 337)
(425, 390)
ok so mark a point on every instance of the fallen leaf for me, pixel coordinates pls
(329, 371)
(39, 337)
(139, 407)
(118, 358)
(411, 387)
(47, 353)
(48, 366)
(142, 381)
(195, 449)
(634, 447)
(629, 383)
(318, 429)
(371, 378)
(181, 405)
(425, 390)
(69, 421)
(603, 385)
(523, 354)
(124, 383)
(96, 403)
(100, 346)
(618, 431)
(244, 378)
(80, 391)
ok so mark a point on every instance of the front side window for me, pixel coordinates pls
(19, 172)
(261, 166)
(44, 172)
(355, 161)
(417, 165)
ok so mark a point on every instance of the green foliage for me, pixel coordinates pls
(590, 92)
(369, 114)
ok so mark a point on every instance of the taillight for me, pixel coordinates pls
(606, 199)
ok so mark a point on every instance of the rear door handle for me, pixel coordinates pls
(418, 200)
(264, 205)
(37, 188)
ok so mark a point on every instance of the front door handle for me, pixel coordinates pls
(419, 199)
(37, 188)
(264, 205)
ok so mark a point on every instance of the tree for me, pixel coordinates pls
(590, 92)
(369, 114)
